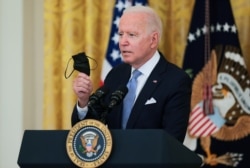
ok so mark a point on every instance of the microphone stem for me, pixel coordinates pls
(93, 112)
(104, 114)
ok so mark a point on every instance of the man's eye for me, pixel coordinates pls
(132, 35)
(120, 34)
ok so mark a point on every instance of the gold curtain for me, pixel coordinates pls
(73, 26)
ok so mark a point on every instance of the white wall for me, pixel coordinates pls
(21, 74)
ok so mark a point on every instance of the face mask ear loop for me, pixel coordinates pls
(65, 72)
(96, 64)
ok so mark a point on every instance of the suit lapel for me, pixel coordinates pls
(151, 84)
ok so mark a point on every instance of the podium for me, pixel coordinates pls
(131, 149)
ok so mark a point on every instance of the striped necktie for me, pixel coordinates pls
(130, 97)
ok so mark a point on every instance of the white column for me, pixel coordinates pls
(21, 79)
(11, 77)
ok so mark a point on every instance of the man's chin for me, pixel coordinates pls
(126, 61)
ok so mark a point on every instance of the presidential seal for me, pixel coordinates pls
(89, 143)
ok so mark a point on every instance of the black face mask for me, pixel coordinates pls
(81, 64)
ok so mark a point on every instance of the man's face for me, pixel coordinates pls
(136, 42)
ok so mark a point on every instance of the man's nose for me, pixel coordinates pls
(123, 40)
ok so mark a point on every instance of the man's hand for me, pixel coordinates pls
(83, 87)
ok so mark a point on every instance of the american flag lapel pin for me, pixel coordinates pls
(155, 81)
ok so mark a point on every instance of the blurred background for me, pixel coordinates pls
(37, 39)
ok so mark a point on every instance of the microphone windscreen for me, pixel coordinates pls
(118, 96)
(95, 97)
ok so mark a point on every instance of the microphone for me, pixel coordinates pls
(95, 97)
(118, 96)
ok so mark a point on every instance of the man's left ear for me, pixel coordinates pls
(154, 39)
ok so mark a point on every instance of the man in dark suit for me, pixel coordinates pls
(163, 90)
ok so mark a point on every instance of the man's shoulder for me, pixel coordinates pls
(172, 69)
(121, 67)
(118, 72)
(170, 66)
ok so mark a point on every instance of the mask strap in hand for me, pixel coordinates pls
(81, 64)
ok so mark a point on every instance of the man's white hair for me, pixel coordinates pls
(154, 21)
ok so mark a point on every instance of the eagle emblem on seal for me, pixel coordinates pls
(89, 141)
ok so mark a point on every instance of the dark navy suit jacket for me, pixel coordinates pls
(167, 84)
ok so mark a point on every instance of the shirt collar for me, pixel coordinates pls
(148, 67)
